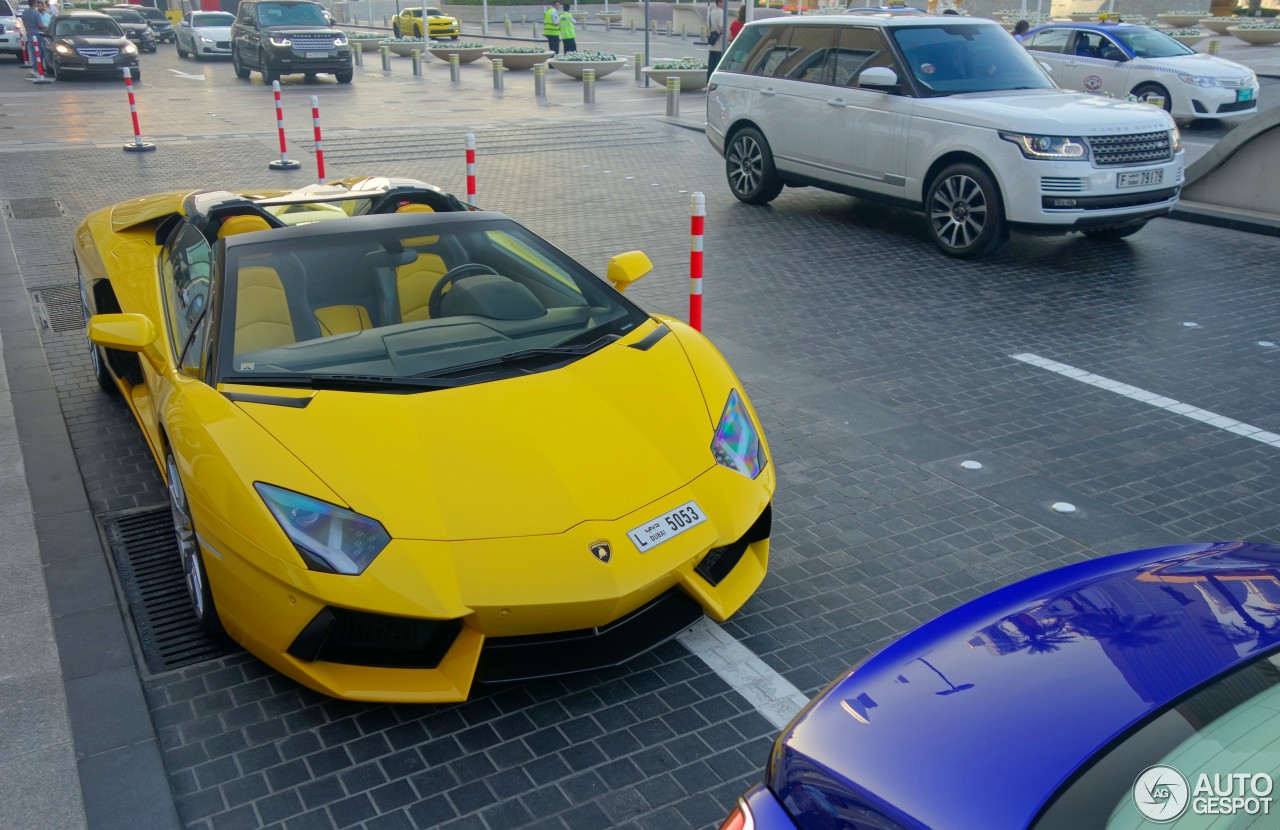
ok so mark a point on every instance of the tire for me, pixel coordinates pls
(748, 165)
(240, 70)
(344, 77)
(965, 212)
(197, 56)
(136, 72)
(51, 70)
(182, 53)
(417, 30)
(1113, 234)
(97, 357)
(395, 28)
(270, 73)
(453, 37)
(194, 574)
(1141, 91)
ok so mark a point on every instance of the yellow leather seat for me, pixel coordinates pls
(262, 308)
(415, 281)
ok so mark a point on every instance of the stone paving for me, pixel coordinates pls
(876, 366)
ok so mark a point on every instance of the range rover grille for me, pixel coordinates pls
(1138, 148)
(311, 43)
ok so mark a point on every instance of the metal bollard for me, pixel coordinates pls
(524, 18)
(633, 26)
(670, 27)
(497, 74)
(1213, 47)
(357, 52)
(506, 24)
(386, 59)
(639, 66)
(673, 97)
(534, 28)
(539, 80)
(386, 24)
(703, 33)
(588, 86)
(454, 75)
(417, 63)
(684, 31)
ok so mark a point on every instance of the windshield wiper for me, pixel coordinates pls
(525, 354)
(340, 382)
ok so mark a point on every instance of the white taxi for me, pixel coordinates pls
(1123, 59)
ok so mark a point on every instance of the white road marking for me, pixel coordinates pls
(199, 77)
(747, 674)
(1195, 413)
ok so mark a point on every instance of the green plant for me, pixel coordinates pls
(401, 40)
(588, 56)
(1260, 25)
(1184, 33)
(364, 35)
(517, 50)
(683, 63)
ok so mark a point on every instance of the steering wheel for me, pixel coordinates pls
(451, 276)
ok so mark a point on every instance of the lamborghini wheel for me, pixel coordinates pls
(97, 359)
(193, 572)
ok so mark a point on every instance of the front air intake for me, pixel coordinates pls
(340, 635)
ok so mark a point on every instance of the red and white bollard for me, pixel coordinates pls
(284, 162)
(471, 169)
(315, 123)
(697, 212)
(25, 61)
(39, 64)
(138, 145)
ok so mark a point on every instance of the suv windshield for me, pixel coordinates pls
(443, 298)
(151, 14)
(88, 26)
(953, 59)
(1148, 43)
(5, 9)
(125, 16)
(290, 14)
(213, 19)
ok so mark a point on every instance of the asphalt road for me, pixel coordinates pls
(876, 365)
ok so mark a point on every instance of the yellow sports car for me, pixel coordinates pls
(409, 23)
(410, 446)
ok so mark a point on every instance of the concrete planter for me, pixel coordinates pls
(1179, 21)
(519, 60)
(574, 68)
(1219, 27)
(464, 55)
(1255, 37)
(1189, 40)
(405, 48)
(690, 79)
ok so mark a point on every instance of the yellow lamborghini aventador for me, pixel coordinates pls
(411, 446)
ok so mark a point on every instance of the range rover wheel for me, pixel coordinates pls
(193, 571)
(966, 216)
(270, 73)
(748, 164)
(241, 70)
(344, 77)
(1112, 234)
(1144, 91)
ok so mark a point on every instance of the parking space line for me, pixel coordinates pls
(770, 693)
(1195, 413)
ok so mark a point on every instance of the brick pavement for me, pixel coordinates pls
(875, 364)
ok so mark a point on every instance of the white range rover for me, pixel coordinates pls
(945, 115)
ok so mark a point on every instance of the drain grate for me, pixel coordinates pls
(40, 207)
(146, 558)
(59, 308)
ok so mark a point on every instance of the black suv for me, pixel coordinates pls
(281, 37)
(160, 25)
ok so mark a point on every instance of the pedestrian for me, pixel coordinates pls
(1020, 30)
(715, 35)
(568, 30)
(551, 26)
(738, 22)
(33, 23)
(54, 7)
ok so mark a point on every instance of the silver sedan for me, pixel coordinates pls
(204, 34)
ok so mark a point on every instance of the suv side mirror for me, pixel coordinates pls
(878, 77)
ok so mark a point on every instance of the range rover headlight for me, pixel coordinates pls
(1048, 147)
(340, 40)
(277, 40)
(1197, 80)
(1175, 138)
(330, 539)
(736, 444)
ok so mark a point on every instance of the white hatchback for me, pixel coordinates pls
(946, 115)
(1121, 59)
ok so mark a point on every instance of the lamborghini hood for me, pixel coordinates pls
(531, 455)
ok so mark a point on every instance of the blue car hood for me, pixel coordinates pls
(975, 719)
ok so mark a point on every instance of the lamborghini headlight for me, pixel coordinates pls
(329, 538)
(1048, 147)
(737, 443)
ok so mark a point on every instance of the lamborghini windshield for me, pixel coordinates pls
(399, 300)
(953, 59)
